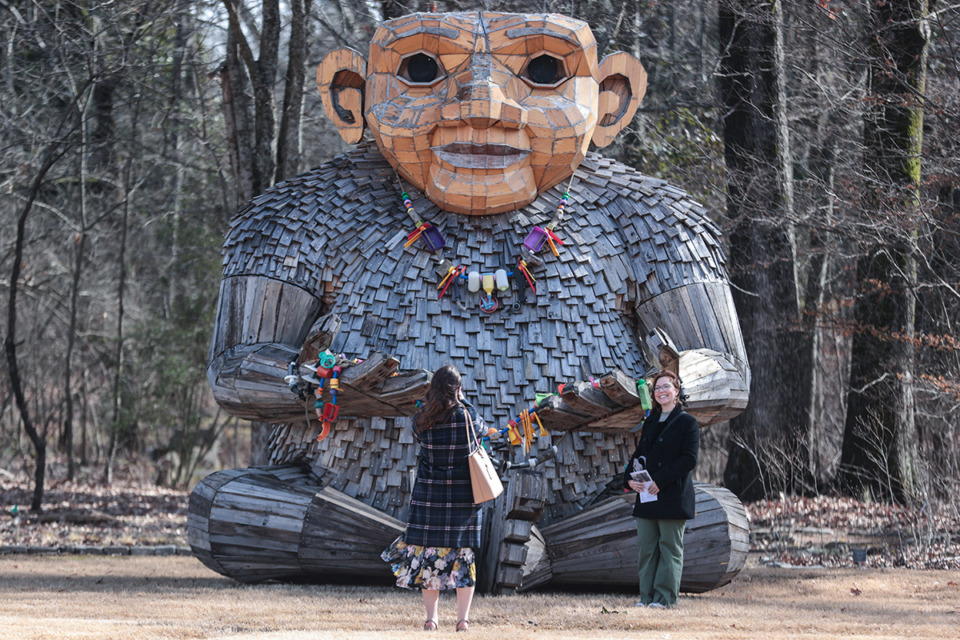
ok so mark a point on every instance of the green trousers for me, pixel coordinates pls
(660, 555)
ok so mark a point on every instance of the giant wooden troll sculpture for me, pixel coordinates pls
(476, 229)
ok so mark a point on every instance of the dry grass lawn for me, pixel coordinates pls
(145, 598)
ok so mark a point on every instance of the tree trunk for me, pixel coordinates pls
(263, 76)
(10, 341)
(880, 451)
(81, 245)
(253, 155)
(288, 138)
(236, 115)
(259, 442)
(768, 439)
(176, 90)
(829, 344)
(118, 435)
(118, 352)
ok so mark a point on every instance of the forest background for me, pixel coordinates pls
(821, 134)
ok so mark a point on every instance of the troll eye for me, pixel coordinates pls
(420, 68)
(545, 70)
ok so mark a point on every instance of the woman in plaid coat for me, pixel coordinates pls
(443, 529)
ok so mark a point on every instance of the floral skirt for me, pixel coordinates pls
(418, 567)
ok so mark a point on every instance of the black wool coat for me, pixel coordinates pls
(670, 449)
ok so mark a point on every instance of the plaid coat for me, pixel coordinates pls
(442, 512)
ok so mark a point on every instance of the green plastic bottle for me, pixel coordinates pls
(644, 392)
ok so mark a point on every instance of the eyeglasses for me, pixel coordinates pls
(663, 387)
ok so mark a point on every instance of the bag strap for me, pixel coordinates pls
(471, 434)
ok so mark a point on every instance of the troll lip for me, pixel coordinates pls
(466, 155)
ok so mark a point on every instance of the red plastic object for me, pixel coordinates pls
(324, 432)
(330, 412)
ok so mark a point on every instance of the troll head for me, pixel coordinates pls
(482, 111)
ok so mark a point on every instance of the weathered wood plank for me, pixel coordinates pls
(525, 496)
(598, 546)
(517, 530)
(371, 373)
(241, 502)
(621, 422)
(536, 569)
(270, 521)
(583, 398)
(557, 416)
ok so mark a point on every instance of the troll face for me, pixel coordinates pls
(482, 111)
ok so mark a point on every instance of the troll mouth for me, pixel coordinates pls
(466, 155)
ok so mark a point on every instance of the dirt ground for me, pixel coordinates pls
(794, 530)
(112, 598)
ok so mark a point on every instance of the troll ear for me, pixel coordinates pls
(623, 81)
(341, 77)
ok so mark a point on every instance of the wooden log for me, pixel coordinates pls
(536, 570)
(255, 520)
(278, 523)
(620, 388)
(526, 496)
(557, 416)
(598, 546)
(507, 529)
(403, 390)
(583, 398)
(395, 396)
(370, 373)
(198, 517)
(621, 422)
(343, 537)
(716, 391)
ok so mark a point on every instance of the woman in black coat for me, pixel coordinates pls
(443, 528)
(667, 451)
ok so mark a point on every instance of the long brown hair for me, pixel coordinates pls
(442, 396)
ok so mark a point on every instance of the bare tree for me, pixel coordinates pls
(51, 155)
(262, 155)
(880, 455)
(763, 246)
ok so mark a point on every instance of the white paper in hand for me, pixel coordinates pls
(639, 474)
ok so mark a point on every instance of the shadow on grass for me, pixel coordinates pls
(15, 582)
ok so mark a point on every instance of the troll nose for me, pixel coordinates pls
(482, 104)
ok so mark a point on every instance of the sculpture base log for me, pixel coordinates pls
(279, 523)
(507, 527)
(598, 547)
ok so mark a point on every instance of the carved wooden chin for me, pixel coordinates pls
(481, 192)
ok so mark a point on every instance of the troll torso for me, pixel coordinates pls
(339, 231)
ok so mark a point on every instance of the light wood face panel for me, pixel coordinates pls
(483, 111)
